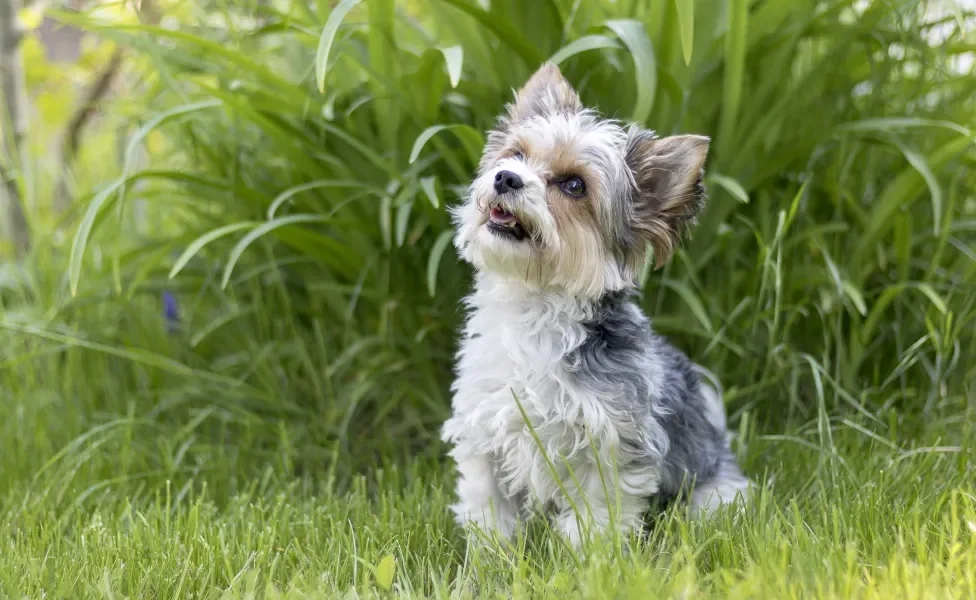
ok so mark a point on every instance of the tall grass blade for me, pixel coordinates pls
(80, 242)
(454, 59)
(935, 190)
(731, 186)
(686, 27)
(104, 198)
(888, 296)
(434, 260)
(902, 189)
(634, 36)
(584, 44)
(469, 137)
(257, 232)
(503, 30)
(429, 185)
(288, 194)
(198, 244)
(733, 78)
(886, 124)
(327, 38)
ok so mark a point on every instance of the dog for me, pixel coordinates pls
(564, 398)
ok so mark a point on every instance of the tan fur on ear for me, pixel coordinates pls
(546, 92)
(668, 174)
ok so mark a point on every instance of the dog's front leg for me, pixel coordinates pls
(480, 503)
(596, 510)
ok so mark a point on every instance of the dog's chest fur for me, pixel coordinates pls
(537, 350)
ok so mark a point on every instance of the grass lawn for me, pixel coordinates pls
(101, 500)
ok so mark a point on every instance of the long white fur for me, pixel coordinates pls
(512, 349)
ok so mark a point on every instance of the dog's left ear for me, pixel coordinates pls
(669, 191)
(546, 92)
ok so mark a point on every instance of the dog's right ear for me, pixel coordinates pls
(668, 189)
(546, 92)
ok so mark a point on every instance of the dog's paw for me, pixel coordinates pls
(569, 527)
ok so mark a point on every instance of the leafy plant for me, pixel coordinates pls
(312, 150)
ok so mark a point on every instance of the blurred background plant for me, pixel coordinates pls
(239, 249)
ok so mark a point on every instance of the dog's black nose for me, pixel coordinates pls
(506, 181)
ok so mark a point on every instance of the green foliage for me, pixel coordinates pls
(829, 285)
(839, 182)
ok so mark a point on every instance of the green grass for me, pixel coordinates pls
(140, 507)
(125, 477)
(284, 438)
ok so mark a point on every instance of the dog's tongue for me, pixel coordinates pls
(502, 216)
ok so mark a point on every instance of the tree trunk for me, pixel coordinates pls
(13, 123)
(100, 87)
(72, 136)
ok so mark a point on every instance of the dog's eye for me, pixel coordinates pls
(518, 155)
(573, 186)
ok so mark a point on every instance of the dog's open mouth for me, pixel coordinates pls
(504, 223)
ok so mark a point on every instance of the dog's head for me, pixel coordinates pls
(567, 200)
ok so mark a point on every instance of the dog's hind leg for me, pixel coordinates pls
(726, 486)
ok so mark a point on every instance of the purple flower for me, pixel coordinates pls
(171, 311)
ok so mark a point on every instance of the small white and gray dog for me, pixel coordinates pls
(557, 225)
